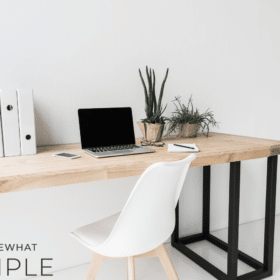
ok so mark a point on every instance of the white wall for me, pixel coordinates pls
(78, 54)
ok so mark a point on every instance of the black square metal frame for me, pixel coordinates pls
(261, 270)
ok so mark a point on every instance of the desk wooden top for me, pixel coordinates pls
(43, 170)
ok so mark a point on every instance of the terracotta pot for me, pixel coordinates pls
(188, 130)
(152, 131)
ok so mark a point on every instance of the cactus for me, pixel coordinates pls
(153, 108)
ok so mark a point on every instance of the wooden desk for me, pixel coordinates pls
(43, 170)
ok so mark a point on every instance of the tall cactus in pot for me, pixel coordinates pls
(153, 108)
(153, 125)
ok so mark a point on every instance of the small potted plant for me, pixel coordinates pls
(188, 120)
(153, 125)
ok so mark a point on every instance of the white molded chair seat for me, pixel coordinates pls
(96, 233)
(146, 222)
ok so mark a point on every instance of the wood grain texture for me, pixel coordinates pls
(166, 262)
(130, 268)
(159, 252)
(43, 170)
(94, 266)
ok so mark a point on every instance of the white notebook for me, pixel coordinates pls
(175, 149)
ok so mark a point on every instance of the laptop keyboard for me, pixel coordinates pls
(114, 148)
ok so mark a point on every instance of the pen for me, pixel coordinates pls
(183, 146)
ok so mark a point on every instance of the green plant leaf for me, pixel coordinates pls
(187, 114)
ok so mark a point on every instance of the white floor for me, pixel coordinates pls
(250, 242)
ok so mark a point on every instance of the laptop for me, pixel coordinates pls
(108, 132)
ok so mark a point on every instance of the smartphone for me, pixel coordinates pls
(66, 155)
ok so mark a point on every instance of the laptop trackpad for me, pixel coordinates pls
(117, 152)
(121, 152)
(108, 153)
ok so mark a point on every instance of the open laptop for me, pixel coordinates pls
(108, 132)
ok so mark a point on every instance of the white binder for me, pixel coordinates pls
(1, 139)
(26, 121)
(10, 124)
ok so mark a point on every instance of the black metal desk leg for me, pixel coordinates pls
(261, 270)
(206, 201)
(175, 234)
(270, 213)
(233, 219)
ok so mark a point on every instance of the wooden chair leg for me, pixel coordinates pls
(94, 266)
(130, 268)
(166, 262)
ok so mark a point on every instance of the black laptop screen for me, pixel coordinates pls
(106, 127)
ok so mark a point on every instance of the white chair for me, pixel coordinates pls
(147, 220)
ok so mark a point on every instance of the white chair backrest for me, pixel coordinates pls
(148, 218)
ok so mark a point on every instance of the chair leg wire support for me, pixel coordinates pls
(159, 252)
(262, 270)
